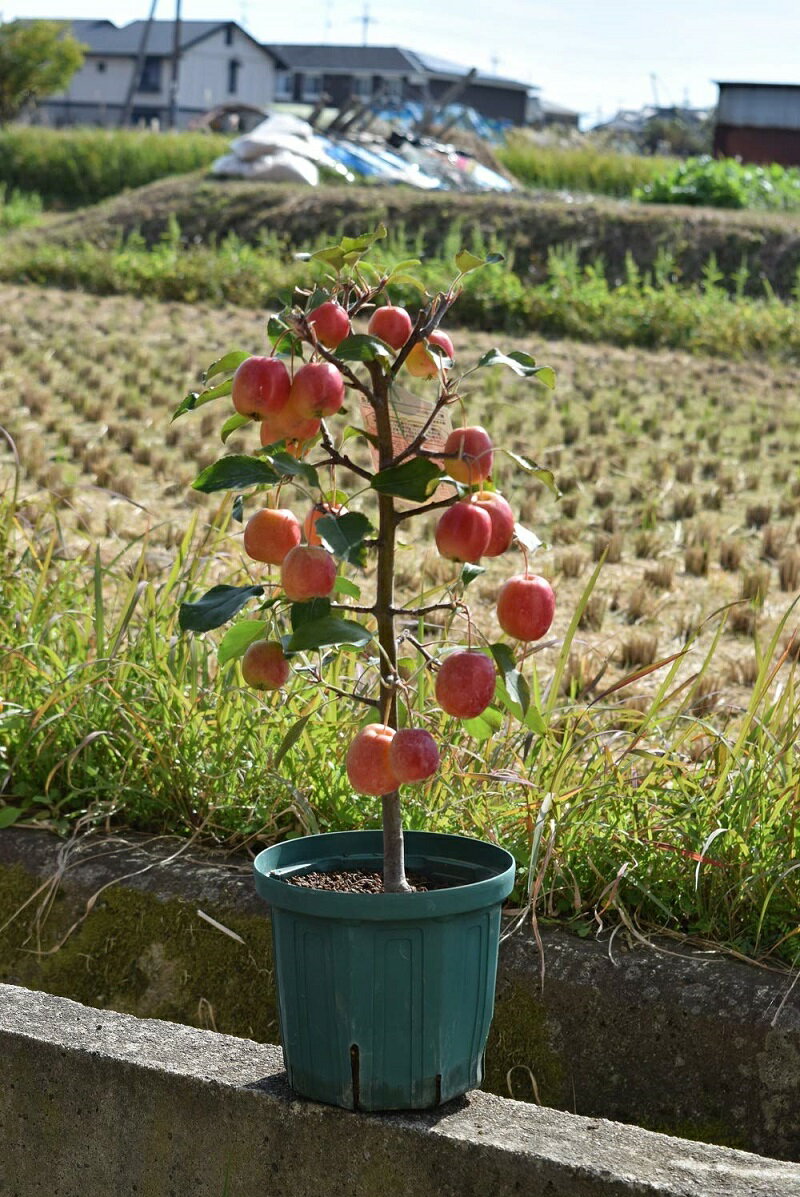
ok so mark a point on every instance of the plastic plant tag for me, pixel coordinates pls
(409, 413)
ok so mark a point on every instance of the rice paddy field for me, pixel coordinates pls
(657, 787)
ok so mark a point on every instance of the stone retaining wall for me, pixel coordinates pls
(95, 1104)
(688, 1043)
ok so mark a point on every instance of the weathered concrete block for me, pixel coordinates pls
(684, 1042)
(96, 1103)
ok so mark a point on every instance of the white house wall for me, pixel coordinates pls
(203, 79)
(98, 94)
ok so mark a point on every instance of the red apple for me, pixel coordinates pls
(475, 457)
(260, 387)
(465, 684)
(317, 391)
(422, 364)
(392, 325)
(463, 532)
(270, 534)
(413, 755)
(264, 667)
(307, 572)
(502, 518)
(331, 323)
(525, 606)
(367, 761)
(316, 513)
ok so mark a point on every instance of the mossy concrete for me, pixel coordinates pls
(95, 1104)
(137, 953)
(689, 1044)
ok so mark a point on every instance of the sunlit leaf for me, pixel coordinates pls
(225, 364)
(238, 639)
(232, 424)
(416, 480)
(235, 473)
(198, 398)
(361, 347)
(521, 363)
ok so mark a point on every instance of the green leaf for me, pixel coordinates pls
(534, 720)
(360, 347)
(344, 535)
(235, 473)
(329, 630)
(470, 572)
(347, 587)
(233, 423)
(225, 364)
(466, 261)
(216, 607)
(513, 685)
(483, 726)
(290, 467)
(290, 739)
(529, 540)
(359, 244)
(401, 268)
(282, 337)
(415, 480)
(409, 280)
(521, 363)
(9, 815)
(309, 612)
(239, 638)
(546, 477)
(237, 511)
(198, 398)
(351, 431)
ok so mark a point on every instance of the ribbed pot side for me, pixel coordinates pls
(385, 999)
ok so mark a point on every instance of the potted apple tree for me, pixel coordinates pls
(385, 942)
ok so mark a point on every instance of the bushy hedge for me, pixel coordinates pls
(725, 183)
(81, 166)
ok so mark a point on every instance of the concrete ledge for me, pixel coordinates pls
(95, 1103)
(679, 1041)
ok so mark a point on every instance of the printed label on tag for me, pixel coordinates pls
(408, 414)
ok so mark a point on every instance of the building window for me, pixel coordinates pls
(362, 86)
(393, 91)
(151, 74)
(312, 87)
(229, 35)
(284, 86)
(233, 76)
(101, 66)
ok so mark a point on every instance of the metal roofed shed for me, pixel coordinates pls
(758, 122)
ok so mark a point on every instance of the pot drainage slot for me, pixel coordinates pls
(354, 1070)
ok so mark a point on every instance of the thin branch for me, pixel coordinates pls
(351, 694)
(407, 515)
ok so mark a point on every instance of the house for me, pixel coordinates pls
(219, 63)
(758, 122)
(394, 76)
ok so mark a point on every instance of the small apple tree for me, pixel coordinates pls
(294, 394)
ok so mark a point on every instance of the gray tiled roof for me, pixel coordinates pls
(380, 60)
(103, 37)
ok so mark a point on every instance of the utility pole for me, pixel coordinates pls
(366, 21)
(176, 55)
(136, 75)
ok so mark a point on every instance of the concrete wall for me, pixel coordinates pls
(96, 1104)
(685, 1042)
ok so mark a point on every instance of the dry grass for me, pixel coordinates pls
(90, 383)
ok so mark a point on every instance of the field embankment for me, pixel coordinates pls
(527, 227)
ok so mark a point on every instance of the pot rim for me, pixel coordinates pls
(492, 867)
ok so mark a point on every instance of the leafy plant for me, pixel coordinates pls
(725, 183)
(415, 460)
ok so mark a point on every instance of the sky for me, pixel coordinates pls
(592, 55)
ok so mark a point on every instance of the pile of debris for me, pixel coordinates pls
(285, 148)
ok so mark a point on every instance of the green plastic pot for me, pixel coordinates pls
(385, 999)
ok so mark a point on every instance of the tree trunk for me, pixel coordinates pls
(394, 875)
